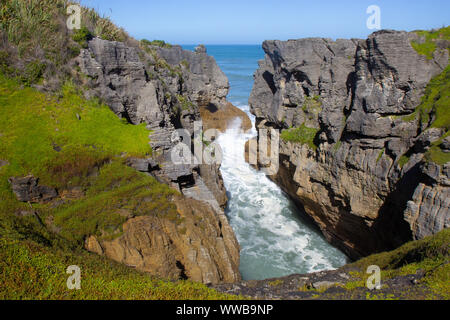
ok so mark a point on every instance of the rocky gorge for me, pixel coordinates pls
(359, 148)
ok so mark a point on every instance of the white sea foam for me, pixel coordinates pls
(274, 240)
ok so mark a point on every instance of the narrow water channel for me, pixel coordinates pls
(275, 240)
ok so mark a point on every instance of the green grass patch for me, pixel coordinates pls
(433, 109)
(275, 283)
(29, 270)
(428, 46)
(437, 155)
(303, 135)
(117, 187)
(404, 159)
(380, 155)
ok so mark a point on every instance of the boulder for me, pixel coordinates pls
(355, 185)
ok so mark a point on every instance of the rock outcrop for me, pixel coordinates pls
(355, 96)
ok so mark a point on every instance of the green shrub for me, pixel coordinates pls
(102, 27)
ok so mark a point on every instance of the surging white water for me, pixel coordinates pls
(274, 240)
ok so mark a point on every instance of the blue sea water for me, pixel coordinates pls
(276, 240)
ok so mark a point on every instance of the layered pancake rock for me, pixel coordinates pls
(354, 152)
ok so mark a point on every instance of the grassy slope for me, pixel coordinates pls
(31, 270)
(69, 142)
(32, 258)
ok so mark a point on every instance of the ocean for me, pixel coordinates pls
(275, 238)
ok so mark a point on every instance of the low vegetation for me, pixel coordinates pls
(312, 105)
(157, 43)
(302, 134)
(32, 270)
(38, 43)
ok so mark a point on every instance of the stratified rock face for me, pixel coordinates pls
(199, 245)
(355, 94)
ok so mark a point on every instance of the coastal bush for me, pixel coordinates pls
(36, 32)
(82, 36)
(61, 139)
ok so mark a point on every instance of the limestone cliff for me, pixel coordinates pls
(355, 149)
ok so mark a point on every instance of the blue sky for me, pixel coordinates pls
(253, 21)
